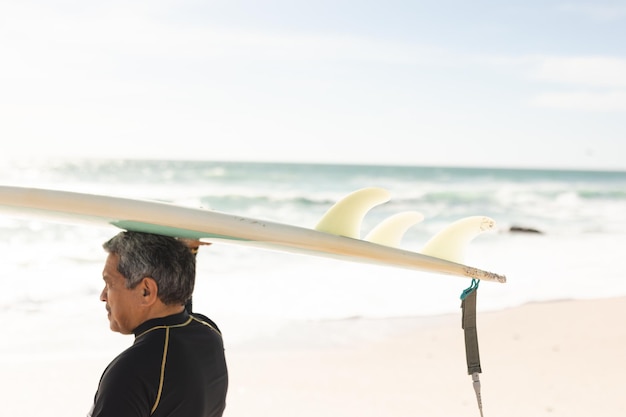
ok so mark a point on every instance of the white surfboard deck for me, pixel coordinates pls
(213, 226)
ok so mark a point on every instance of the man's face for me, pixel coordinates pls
(122, 304)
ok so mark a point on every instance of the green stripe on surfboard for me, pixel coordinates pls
(136, 226)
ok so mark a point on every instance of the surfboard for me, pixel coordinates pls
(337, 235)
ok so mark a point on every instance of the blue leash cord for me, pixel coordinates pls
(473, 287)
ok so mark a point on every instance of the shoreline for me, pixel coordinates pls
(558, 358)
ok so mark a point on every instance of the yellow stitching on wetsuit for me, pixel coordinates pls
(165, 348)
(162, 377)
(206, 324)
(164, 327)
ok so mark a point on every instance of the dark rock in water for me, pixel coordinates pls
(518, 229)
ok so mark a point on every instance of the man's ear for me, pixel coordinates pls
(149, 291)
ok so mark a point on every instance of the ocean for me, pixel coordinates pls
(51, 278)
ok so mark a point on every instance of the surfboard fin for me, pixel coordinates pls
(451, 242)
(344, 218)
(391, 230)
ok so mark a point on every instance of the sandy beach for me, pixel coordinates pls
(545, 359)
(542, 359)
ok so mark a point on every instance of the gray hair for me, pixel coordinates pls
(165, 259)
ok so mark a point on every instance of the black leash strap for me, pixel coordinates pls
(468, 306)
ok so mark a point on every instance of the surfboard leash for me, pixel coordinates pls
(468, 323)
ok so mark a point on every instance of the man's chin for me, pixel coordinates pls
(117, 329)
(113, 325)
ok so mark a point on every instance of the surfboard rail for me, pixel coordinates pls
(214, 226)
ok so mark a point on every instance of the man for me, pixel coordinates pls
(176, 365)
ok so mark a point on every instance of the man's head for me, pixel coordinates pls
(144, 275)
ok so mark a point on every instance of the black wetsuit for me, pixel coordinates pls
(175, 367)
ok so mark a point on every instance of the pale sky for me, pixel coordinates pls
(522, 83)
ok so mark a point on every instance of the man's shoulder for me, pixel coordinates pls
(204, 320)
